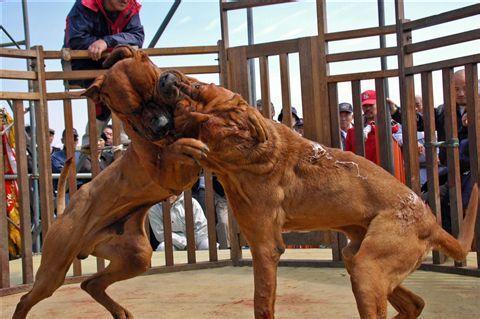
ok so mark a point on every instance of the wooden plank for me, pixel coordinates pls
(202, 69)
(442, 17)
(18, 75)
(384, 129)
(223, 64)
(358, 118)
(235, 5)
(167, 233)
(363, 54)
(210, 214)
(265, 87)
(23, 192)
(93, 136)
(334, 116)
(74, 75)
(314, 90)
(362, 76)
(443, 41)
(240, 81)
(68, 95)
(16, 53)
(272, 48)
(431, 155)
(453, 161)
(473, 111)
(24, 96)
(189, 226)
(360, 33)
(224, 25)
(70, 153)
(450, 63)
(287, 118)
(407, 100)
(45, 166)
(4, 258)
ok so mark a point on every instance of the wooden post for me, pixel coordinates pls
(4, 258)
(167, 233)
(189, 226)
(210, 214)
(473, 113)
(265, 88)
(23, 191)
(407, 101)
(384, 131)
(285, 84)
(453, 161)
(41, 112)
(358, 117)
(431, 155)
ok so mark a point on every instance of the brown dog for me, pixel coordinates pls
(105, 217)
(274, 179)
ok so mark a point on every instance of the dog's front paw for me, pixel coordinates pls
(190, 149)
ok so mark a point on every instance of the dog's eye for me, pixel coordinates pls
(197, 86)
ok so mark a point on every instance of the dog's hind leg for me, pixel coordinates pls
(408, 304)
(129, 253)
(382, 263)
(57, 256)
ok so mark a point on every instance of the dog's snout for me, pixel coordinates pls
(167, 81)
(160, 122)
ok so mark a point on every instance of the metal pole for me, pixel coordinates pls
(251, 62)
(33, 137)
(164, 24)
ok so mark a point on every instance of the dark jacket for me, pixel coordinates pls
(88, 22)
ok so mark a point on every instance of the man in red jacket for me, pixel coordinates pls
(369, 107)
(99, 26)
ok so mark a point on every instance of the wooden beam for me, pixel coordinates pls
(364, 54)
(360, 33)
(4, 256)
(265, 88)
(272, 48)
(167, 233)
(16, 53)
(443, 41)
(18, 75)
(358, 118)
(450, 63)
(235, 5)
(362, 76)
(285, 85)
(210, 214)
(189, 226)
(384, 130)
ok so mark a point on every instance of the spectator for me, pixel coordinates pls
(369, 107)
(259, 105)
(107, 135)
(198, 191)
(221, 211)
(53, 149)
(346, 121)
(421, 142)
(297, 122)
(98, 26)
(460, 99)
(179, 233)
(105, 158)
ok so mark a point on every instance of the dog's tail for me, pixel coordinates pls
(459, 248)
(62, 186)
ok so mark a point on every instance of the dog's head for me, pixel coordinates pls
(130, 88)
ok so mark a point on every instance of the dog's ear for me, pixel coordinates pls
(93, 90)
(119, 53)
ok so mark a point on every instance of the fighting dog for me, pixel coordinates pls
(274, 179)
(105, 217)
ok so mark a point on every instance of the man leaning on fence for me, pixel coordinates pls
(98, 26)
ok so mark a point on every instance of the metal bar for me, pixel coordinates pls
(9, 44)
(383, 59)
(10, 37)
(164, 24)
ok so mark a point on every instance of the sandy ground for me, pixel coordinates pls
(227, 293)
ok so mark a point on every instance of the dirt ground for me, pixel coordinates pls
(227, 293)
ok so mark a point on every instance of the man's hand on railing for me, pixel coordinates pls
(96, 49)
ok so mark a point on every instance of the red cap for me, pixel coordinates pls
(369, 97)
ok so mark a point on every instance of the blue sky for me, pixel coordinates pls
(198, 23)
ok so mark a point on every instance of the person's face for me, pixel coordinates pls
(369, 111)
(115, 5)
(75, 140)
(172, 199)
(100, 143)
(460, 88)
(346, 119)
(419, 104)
(109, 134)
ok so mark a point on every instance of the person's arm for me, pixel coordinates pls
(79, 30)
(133, 34)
